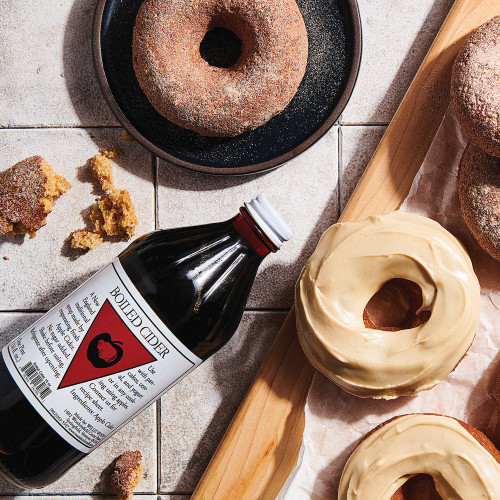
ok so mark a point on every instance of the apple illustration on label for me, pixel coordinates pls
(102, 352)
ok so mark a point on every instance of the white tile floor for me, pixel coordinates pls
(51, 105)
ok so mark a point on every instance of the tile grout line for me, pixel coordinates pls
(155, 164)
(364, 124)
(158, 447)
(247, 309)
(61, 127)
(340, 171)
(267, 309)
(97, 495)
(23, 311)
(116, 127)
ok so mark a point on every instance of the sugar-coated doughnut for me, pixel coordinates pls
(351, 263)
(210, 100)
(475, 86)
(478, 187)
(461, 460)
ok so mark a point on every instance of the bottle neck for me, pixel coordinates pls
(252, 234)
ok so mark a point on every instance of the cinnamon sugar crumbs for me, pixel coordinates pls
(126, 136)
(127, 474)
(113, 214)
(28, 192)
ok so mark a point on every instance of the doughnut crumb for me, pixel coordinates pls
(127, 474)
(28, 192)
(126, 136)
(113, 214)
(102, 169)
(85, 240)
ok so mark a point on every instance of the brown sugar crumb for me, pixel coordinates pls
(101, 167)
(114, 214)
(126, 136)
(85, 240)
(118, 213)
(111, 153)
(97, 219)
(127, 474)
(28, 191)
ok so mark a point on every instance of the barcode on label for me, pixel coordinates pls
(36, 380)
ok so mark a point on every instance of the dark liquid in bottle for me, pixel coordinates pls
(196, 279)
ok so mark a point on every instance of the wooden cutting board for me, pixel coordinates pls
(261, 446)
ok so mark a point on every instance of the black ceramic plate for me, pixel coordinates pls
(334, 32)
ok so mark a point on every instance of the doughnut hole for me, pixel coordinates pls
(229, 44)
(395, 307)
(419, 487)
(220, 47)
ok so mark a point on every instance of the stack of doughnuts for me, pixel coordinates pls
(423, 267)
(475, 96)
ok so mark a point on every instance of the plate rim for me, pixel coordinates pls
(254, 168)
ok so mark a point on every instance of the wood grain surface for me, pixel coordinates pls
(261, 445)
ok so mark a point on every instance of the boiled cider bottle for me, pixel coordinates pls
(120, 340)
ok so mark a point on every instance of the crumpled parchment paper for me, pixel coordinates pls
(336, 421)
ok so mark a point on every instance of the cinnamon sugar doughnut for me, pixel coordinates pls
(210, 100)
(463, 462)
(475, 86)
(479, 195)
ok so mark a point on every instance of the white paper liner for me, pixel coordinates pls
(337, 421)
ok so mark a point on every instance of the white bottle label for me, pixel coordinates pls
(97, 359)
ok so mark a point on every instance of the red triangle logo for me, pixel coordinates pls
(108, 347)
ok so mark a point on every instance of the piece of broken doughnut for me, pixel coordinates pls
(28, 191)
(114, 215)
(85, 240)
(102, 170)
(127, 474)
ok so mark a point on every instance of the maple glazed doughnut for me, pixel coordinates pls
(349, 266)
(461, 460)
(211, 100)
(475, 87)
(478, 187)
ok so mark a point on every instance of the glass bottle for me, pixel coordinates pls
(123, 338)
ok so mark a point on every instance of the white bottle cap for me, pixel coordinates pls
(269, 220)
